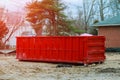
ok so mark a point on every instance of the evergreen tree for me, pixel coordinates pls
(48, 13)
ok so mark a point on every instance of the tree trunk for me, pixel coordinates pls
(85, 15)
(101, 10)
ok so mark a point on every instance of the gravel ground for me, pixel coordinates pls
(12, 69)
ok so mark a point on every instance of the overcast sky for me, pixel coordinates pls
(14, 5)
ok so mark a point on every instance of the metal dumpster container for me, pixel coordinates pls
(73, 49)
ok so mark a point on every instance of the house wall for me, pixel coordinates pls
(112, 35)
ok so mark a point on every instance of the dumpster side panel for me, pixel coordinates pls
(61, 49)
(95, 49)
(18, 46)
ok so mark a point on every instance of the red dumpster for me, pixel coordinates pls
(73, 49)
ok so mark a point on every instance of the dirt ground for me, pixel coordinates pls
(12, 69)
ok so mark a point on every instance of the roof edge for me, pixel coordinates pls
(95, 25)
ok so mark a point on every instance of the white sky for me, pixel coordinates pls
(18, 4)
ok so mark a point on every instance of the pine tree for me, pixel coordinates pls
(48, 13)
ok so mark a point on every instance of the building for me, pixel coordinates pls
(110, 28)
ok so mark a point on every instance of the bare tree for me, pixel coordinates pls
(87, 10)
(97, 10)
(14, 20)
(114, 7)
